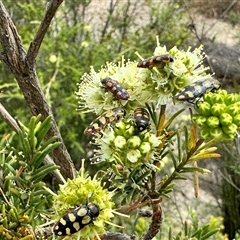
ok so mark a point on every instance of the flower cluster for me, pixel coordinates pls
(93, 97)
(156, 84)
(127, 146)
(121, 143)
(81, 191)
(186, 68)
(218, 115)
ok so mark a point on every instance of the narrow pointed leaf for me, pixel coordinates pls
(204, 156)
(166, 125)
(195, 169)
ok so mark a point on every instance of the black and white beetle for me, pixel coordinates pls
(77, 219)
(142, 118)
(193, 92)
(104, 120)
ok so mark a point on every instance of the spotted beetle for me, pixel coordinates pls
(141, 117)
(115, 88)
(154, 61)
(76, 220)
(103, 120)
(193, 92)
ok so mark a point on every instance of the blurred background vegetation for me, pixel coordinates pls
(88, 33)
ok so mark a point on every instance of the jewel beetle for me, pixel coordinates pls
(103, 120)
(115, 88)
(193, 92)
(142, 118)
(155, 61)
(76, 220)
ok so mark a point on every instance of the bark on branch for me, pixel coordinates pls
(157, 219)
(36, 43)
(22, 65)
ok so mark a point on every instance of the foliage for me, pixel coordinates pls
(23, 197)
(195, 231)
(229, 169)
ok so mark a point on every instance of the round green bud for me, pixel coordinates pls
(133, 142)
(199, 120)
(230, 99)
(154, 140)
(217, 98)
(222, 92)
(120, 142)
(146, 136)
(129, 132)
(203, 108)
(217, 109)
(216, 133)
(205, 133)
(133, 155)
(119, 128)
(225, 119)
(213, 122)
(233, 109)
(145, 148)
(230, 130)
(236, 120)
(208, 97)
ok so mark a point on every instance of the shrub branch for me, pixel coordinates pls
(22, 65)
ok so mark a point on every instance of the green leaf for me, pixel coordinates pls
(210, 233)
(41, 172)
(193, 169)
(43, 129)
(36, 162)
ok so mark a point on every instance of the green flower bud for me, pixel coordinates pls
(217, 98)
(216, 133)
(213, 122)
(199, 120)
(203, 108)
(130, 130)
(230, 130)
(225, 119)
(120, 142)
(146, 136)
(217, 109)
(205, 133)
(222, 92)
(145, 148)
(134, 142)
(142, 135)
(236, 120)
(133, 155)
(119, 128)
(230, 99)
(208, 97)
(233, 109)
(154, 140)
